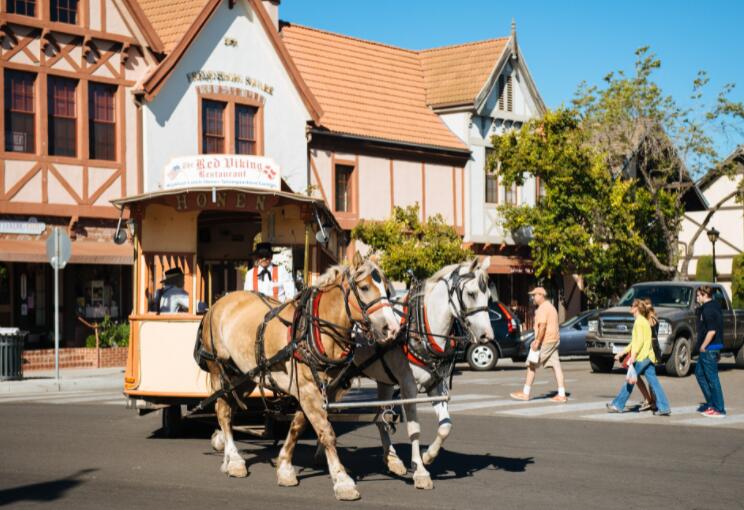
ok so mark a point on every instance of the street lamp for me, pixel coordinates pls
(713, 236)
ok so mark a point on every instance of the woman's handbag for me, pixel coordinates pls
(533, 358)
(632, 376)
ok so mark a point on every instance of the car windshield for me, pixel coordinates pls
(661, 295)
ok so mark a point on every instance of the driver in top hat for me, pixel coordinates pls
(267, 278)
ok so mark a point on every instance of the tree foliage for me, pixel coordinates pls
(737, 281)
(405, 242)
(615, 166)
(704, 269)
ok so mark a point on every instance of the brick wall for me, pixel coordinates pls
(79, 357)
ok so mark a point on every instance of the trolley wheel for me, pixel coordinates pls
(171, 420)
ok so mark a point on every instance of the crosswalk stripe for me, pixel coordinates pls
(120, 402)
(556, 408)
(80, 399)
(483, 404)
(704, 421)
(29, 397)
(631, 415)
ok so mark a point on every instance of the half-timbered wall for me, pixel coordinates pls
(379, 184)
(100, 48)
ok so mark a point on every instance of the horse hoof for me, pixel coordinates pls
(286, 477)
(427, 458)
(423, 482)
(346, 491)
(397, 467)
(237, 470)
(218, 441)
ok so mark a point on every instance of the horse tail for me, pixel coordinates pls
(201, 354)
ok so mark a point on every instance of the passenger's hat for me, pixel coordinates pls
(538, 290)
(263, 250)
(172, 274)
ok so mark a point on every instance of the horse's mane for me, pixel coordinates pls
(334, 273)
(447, 270)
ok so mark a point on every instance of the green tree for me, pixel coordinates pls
(615, 167)
(405, 242)
(737, 281)
(704, 269)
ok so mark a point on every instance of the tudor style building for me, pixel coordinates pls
(69, 145)
(99, 95)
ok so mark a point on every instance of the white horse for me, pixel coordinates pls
(423, 360)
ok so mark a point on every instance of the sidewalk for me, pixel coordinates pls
(85, 379)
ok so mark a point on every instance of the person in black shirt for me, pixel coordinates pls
(710, 341)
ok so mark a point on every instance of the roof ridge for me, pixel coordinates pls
(460, 45)
(346, 36)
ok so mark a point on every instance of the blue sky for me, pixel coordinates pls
(563, 42)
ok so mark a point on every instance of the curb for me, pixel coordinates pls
(45, 383)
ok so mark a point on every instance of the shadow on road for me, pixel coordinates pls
(43, 491)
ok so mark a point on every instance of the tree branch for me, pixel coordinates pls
(651, 255)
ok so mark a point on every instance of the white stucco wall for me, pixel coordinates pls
(728, 220)
(170, 121)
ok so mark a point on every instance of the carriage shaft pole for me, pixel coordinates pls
(380, 403)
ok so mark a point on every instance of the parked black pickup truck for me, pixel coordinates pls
(610, 330)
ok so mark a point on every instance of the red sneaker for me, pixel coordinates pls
(712, 413)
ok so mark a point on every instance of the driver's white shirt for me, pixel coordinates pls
(284, 284)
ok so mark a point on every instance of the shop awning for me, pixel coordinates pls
(83, 252)
(501, 264)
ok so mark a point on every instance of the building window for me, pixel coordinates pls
(19, 111)
(63, 11)
(213, 127)
(492, 180)
(62, 116)
(23, 7)
(540, 190)
(510, 194)
(245, 129)
(505, 93)
(101, 123)
(343, 187)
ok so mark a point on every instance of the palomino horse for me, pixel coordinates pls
(423, 360)
(238, 330)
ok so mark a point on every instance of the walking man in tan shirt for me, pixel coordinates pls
(547, 339)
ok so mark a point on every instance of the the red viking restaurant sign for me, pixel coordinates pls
(222, 170)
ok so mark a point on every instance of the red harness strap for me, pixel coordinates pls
(317, 338)
(274, 279)
(427, 332)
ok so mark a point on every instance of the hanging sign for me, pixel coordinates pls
(222, 170)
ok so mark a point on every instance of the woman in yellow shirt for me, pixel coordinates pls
(643, 360)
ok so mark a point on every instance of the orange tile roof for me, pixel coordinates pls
(171, 18)
(456, 74)
(367, 88)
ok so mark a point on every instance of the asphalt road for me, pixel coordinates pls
(92, 453)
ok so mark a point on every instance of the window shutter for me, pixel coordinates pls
(509, 94)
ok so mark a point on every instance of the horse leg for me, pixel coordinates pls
(445, 426)
(310, 399)
(218, 440)
(389, 455)
(233, 464)
(409, 389)
(285, 473)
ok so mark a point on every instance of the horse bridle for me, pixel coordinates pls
(365, 308)
(455, 284)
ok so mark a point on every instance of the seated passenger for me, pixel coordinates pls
(171, 298)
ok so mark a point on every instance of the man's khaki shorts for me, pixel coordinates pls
(549, 355)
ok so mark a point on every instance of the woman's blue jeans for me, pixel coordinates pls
(647, 369)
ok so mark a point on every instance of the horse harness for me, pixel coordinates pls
(416, 337)
(304, 341)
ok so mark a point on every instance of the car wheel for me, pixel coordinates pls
(482, 357)
(739, 358)
(601, 364)
(171, 420)
(678, 364)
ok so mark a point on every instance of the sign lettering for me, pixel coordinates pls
(223, 77)
(214, 170)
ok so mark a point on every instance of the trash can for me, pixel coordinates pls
(11, 353)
